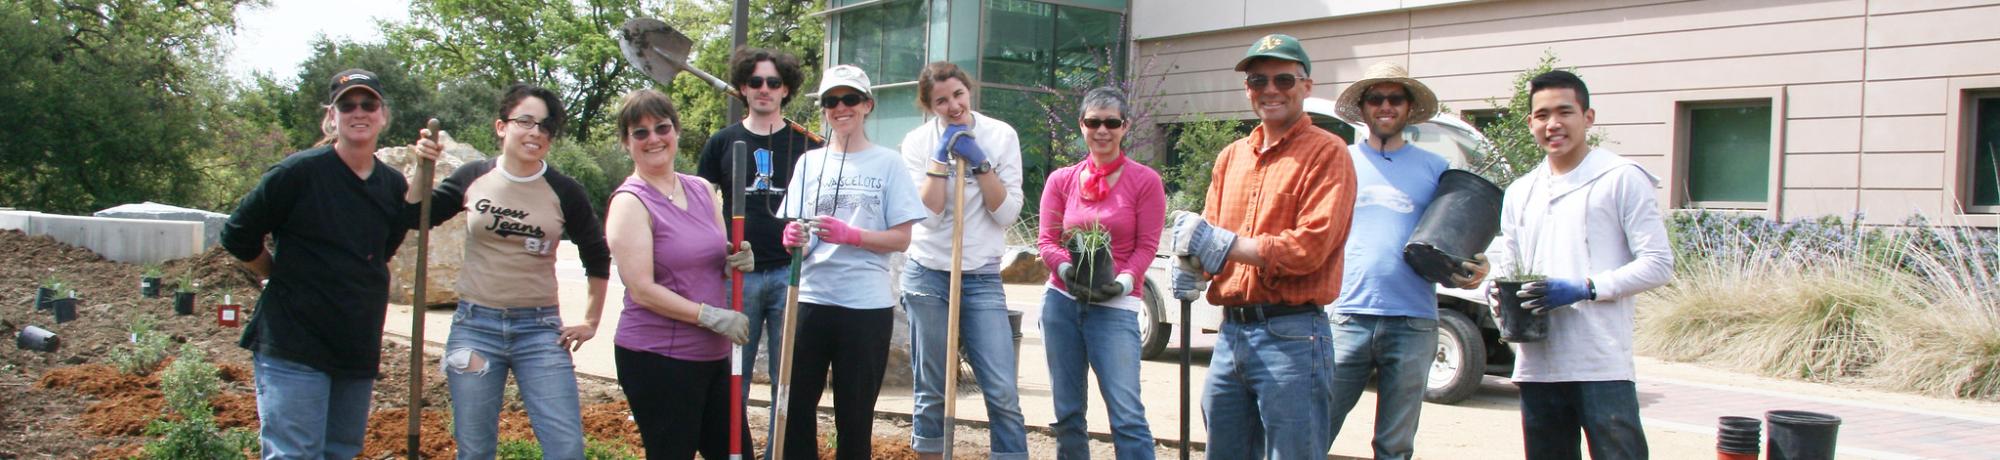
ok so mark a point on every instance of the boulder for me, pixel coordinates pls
(1023, 266)
(447, 240)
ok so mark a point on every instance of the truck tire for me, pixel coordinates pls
(1460, 363)
(1153, 329)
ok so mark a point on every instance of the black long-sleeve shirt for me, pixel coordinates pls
(334, 233)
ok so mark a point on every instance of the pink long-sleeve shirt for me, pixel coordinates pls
(1135, 213)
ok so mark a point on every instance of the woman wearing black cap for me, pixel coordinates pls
(336, 216)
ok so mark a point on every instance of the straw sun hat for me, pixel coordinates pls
(1423, 103)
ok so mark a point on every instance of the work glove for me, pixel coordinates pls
(795, 234)
(1554, 293)
(1188, 285)
(1199, 246)
(833, 230)
(730, 323)
(958, 140)
(1470, 274)
(1119, 287)
(1075, 287)
(742, 259)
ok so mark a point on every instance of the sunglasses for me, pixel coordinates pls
(662, 129)
(851, 99)
(1379, 99)
(1284, 81)
(756, 82)
(1108, 123)
(366, 105)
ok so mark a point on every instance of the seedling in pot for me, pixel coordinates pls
(149, 283)
(46, 294)
(1090, 255)
(184, 295)
(1517, 325)
(64, 306)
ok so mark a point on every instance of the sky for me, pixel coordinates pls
(274, 39)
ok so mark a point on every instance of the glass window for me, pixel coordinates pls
(887, 41)
(1088, 50)
(895, 115)
(1036, 44)
(1729, 153)
(1986, 156)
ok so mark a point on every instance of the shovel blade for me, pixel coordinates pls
(655, 48)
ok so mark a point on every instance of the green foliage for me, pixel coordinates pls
(186, 283)
(407, 92)
(145, 351)
(593, 449)
(152, 271)
(1194, 152)
(53, 282)
(781, 25)
(599, 166)
(189, 430)
(1514, 149)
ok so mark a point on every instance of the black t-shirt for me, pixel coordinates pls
(333, 236)
(761, 228)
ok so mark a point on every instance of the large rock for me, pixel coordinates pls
(447, 240)
(1023, 266)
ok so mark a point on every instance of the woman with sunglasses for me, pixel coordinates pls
(1089, 326)
(991, 152)
(336, 218)
(508, 318)
(672, 347)
(857, 207)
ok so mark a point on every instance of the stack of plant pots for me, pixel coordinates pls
(1737, 438)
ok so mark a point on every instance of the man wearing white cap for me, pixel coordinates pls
(1385, 322)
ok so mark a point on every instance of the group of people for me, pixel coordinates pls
(1295, 220)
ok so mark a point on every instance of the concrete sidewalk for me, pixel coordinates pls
(1679, 402)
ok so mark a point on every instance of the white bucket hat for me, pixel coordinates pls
(1423, 103)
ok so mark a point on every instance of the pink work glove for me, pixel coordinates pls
(795, 234)
(834, 231)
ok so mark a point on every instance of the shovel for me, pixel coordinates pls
(661, 52)
(417, 301)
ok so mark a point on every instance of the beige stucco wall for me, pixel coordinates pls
(1866, 92)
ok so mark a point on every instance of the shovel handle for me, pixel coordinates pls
(425, 168)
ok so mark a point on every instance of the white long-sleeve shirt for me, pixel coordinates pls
(1600, 221)
(985, 231)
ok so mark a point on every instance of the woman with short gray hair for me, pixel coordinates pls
(1087, 322)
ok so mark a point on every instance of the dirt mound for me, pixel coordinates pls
(98, 380)
(235, 373)
(389, 431)
(235, 410)
(123, 415)
(610, 422)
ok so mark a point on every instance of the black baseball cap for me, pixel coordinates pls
(351, 78)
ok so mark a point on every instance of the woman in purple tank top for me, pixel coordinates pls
(672, 345)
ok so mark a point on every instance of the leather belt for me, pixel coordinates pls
(1260, 312)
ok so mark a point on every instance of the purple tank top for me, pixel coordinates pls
(688, 250)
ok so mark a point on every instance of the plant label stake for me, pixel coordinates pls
(425, 167)
(226, 314)
(736, 434)
(952, 304)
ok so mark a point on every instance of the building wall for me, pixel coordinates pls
(1866, 95)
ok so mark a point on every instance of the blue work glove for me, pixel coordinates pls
(958, 140)
(1555, 293)
(1188, 285)
(1200, 246)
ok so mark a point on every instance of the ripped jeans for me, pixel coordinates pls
(488, 342)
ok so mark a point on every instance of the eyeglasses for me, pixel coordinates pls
(756, 82)
(525, 123)
(366, 105)
(1284, 81)
(662, 129)
(1108, 123)
(851, 99)
(1379, 99)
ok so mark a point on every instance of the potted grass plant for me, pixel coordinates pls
(1090, 255)
(47, 292)
(1517, 325)
(184, 295)
(149, 283)
(64, 305)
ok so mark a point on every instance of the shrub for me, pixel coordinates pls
(145, 351)
(188, 430)
(1194, 152)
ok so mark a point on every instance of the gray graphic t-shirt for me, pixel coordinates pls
(867, 189)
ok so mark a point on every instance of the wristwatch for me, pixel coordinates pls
(981, 168)
(1590, 289)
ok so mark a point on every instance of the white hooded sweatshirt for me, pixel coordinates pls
(1601, 221)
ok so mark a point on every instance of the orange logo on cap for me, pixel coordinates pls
(347, 78)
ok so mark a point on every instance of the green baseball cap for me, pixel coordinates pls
(1278, 46)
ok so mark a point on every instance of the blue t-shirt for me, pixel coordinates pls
(867, 189)
(1393, 190)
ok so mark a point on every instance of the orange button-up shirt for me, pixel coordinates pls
(1296, 199)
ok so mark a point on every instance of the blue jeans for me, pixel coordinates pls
(1396, 349)
(1083, 337)
(764, 304)
(1607, 412)
(485, 344)
(306, 414)
(1270, 389)
(988, 342)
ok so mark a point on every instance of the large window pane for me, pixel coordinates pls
(887, 41)
(895, 115)
(1039, 154)
(1729, 154)
(1020, 41)
(1088, 49)
(1986, 167)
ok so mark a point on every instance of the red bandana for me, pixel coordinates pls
(1094, 187)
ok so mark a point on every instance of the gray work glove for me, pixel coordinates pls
(742, 260)
(1198, 245)
(1073, 286)
(1188, 285)
(729, 323)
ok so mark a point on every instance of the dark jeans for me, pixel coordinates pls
(1607, 412)
(680, 406)
(854, 345)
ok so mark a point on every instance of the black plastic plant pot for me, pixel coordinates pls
(42, 298)
(65, 309)
(183, 303)
(37, 339)
(1801, 435)
(1517, 325)
(1096, 265)
(1739, 435)
(1463, 217)
(149, 287)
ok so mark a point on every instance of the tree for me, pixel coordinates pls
(108, 100)
(408, 93)
(774, 24)
(1514, 151)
